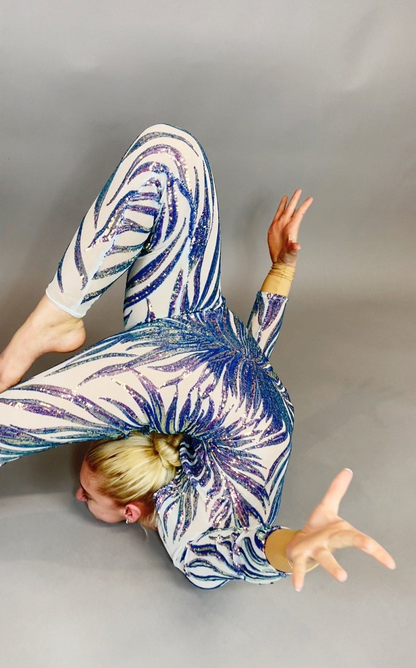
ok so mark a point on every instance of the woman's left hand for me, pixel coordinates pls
(283, 232)
(325, 532)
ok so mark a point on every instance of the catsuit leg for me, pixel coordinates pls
(157, 219)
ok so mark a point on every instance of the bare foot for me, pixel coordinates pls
(47, 329)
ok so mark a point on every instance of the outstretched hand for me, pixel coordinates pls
(283, 232)
(325, 532)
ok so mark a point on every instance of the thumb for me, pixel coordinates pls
(293, 248)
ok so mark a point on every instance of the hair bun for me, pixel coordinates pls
(166, 446)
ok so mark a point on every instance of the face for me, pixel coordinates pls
(101, 506)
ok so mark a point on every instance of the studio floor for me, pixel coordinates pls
(76, 592)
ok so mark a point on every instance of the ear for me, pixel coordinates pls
(133, 512)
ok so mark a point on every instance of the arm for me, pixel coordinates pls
(262, 555)
(221, 555)
(267, 314)
(215, 517)
(211, 556)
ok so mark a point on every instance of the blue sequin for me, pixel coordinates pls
(185, 363)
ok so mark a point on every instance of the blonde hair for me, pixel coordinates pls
(134, 468)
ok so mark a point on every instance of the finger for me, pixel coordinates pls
(297, 218)
(370, 546)
(280, 208)
(336, 490)
(303, 208)
(330, 564)
(299, 213)
(292, 204)
(298, 575)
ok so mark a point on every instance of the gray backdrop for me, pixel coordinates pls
(316, 95)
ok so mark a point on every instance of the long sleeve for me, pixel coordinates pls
(216, 556)
(266, 316)
(206, 561)
(208, 552)
(215, 516)
(266, 320)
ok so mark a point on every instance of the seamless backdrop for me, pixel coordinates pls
(307, 94)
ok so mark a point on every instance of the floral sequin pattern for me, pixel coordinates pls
(184, 363)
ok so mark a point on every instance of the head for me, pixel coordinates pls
(118, 478)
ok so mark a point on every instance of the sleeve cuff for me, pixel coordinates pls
(279, 280)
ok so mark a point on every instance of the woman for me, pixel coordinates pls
(196, 425)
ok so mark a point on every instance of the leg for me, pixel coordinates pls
(111, 234)
(104, 392)
(158, 216)
(178, 269)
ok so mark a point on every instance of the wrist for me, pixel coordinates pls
(279, 279)
(275, 549)
(284, 269)
(278, 550)
(292, 542)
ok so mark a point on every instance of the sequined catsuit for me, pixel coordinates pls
(184, 363)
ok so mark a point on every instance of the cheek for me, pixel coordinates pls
(108, 515)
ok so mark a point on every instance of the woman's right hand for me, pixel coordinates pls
(325, 532)
(282, 236)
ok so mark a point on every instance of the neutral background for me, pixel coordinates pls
(311, 94)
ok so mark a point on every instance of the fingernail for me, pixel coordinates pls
(347, 469)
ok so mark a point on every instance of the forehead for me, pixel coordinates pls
(86, 475)
(89, 482)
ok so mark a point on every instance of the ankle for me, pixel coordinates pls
(47, 315)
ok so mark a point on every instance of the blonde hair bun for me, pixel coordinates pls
(166, 446)
(134, 468)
